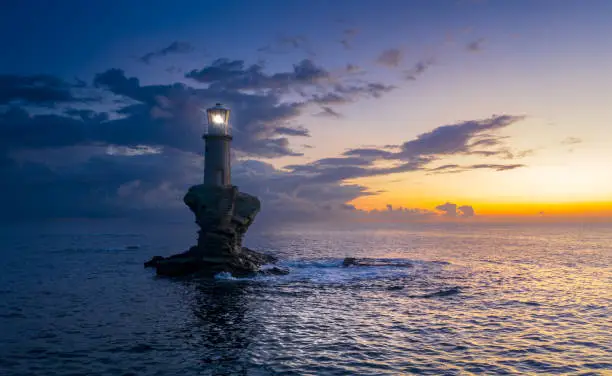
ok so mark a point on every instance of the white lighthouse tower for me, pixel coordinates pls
(217, 153)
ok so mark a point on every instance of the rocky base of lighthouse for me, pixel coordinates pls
(223, 214)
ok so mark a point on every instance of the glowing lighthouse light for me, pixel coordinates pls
(218, 120)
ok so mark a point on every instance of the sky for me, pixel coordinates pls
(454, 110)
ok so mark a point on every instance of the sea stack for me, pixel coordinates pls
(222, 212)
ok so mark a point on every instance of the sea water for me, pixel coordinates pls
(479, 299)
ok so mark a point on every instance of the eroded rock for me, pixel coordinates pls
(223, 214)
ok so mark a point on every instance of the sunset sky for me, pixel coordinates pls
(447, 109)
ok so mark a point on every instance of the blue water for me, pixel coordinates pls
(76, 300)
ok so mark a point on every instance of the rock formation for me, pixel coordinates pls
(223, 214)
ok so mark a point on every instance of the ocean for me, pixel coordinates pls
(485, 299)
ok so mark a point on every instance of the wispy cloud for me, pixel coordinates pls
(413, 155)
(285, 44)
(454, 168)
(571, 141)
(391, 57)
(347, 37)
(328, 112)
(419, 68)
(176, 47)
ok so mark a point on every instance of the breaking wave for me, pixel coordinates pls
(331, 271)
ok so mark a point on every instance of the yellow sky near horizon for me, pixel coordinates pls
(560, 180)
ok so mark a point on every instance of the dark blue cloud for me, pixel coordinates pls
(171, 115)
(234, 74)
(37, 89)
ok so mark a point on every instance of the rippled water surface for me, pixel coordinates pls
(76, 300)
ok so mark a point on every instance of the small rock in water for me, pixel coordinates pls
(352, 261)
(448, 292)
(349, 261)
(394, 288)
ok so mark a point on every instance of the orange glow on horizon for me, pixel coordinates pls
(496, 209)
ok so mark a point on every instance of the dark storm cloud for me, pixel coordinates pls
(36, 90)
(159, 115)
(171, 115)
(20, 130)
(87, 115)
(222, 70)
(97, 187)
(233, 74)
(176, 47)
(391, 57)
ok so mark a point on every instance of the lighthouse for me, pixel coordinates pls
(217, 149)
